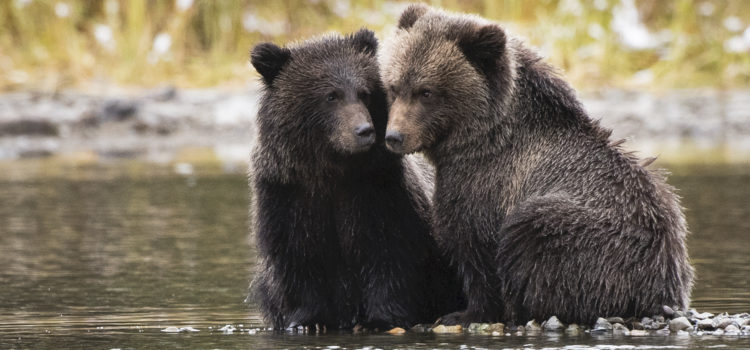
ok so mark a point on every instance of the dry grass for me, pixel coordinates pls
(52, 44)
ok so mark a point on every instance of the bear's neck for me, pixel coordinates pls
(541, 107)
(320, 169)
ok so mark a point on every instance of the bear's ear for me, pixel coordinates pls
(268, 59)
(411, 15)
(364, 40)
(483, 46)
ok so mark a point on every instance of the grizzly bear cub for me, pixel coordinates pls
(341, 224)
(538, 210)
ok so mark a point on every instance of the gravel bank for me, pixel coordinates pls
(162, 125)
(670, 322)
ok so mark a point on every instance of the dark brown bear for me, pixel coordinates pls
(341, 224)
(541, 213)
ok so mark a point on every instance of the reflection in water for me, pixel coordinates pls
(112, 260)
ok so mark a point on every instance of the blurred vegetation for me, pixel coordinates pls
(53, 44)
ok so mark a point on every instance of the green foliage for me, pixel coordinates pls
(50, 44)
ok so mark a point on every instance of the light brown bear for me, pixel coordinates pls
(541, 213)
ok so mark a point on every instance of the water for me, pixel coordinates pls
(108, 256)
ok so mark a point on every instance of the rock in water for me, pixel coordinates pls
(447, 329)
(679, 324)
(602, 325)
(479, 328)
(553, 324)
(724, 322)
(532, 326)
(573, 329)
(664, 331)
(397, 330)
(668, 311)
(638, 333)
(732, 330)
(615, 320)
(496, 327)
(706, 324)
(619, 328)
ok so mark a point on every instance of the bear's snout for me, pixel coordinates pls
(365, 134)
(394, 140)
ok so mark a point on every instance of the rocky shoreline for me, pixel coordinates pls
(675, 322)
(161, 125)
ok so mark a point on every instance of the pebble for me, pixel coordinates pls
(573, 329)
(486, 328)
(679, 324)
(478, 327)
(746, 329)
(602, 325)
(533, 326)
(724, 322)
(668, 311)
(447, 329)
(638, 332)
(718, 332)
(495, 334)
(703, 315)
(619, 328)
(706, 324)
(663, 331)
(732, 330)
(683, 333)
(496, 328)
(553, 324)
(397, 330)
(615, 320)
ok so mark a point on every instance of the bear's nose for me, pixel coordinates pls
(394, 140)
(364, 130)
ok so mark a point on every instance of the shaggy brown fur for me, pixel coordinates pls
(341, 224)
(539, 212)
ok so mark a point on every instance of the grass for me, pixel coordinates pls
(55, 44)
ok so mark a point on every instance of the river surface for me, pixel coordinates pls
(110, 256)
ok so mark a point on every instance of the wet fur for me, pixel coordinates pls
(343, 239)
(539, 211)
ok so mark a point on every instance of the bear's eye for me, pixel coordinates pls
(364, 96)
(331, 97)
(426, 93)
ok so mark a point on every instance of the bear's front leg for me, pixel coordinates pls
(299, 283)
(476, 267)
